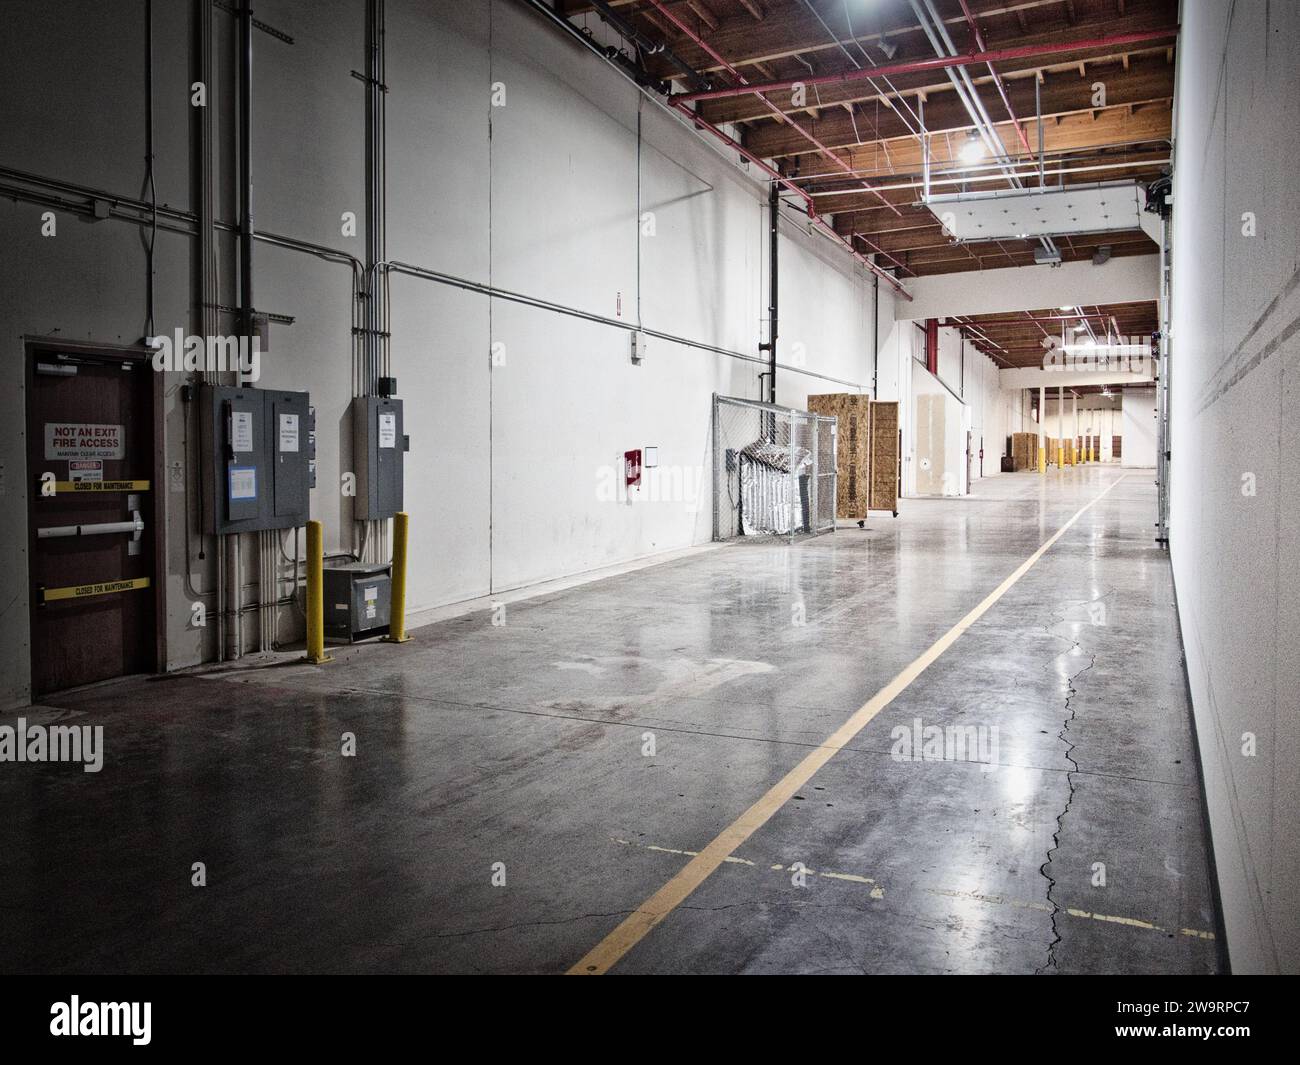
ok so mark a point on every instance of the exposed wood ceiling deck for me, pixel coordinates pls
(858, 148)
(1016, 340)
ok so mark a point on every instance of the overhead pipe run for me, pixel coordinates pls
(917, 66)
(821, 148)
(813, 217)
(628, 32)
(997, 79)
(678, 102)
(969, 96)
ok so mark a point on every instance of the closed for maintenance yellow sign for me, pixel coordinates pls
(83, 591)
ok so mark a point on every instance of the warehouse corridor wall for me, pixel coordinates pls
(1235, 518)
(576, 190)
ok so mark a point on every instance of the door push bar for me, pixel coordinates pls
(135, 526)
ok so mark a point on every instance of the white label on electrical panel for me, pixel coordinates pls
(74, 440)
(241, 430)
(288, 432)
(372, 593)
(387, 430)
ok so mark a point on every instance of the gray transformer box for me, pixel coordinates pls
(378, 455)
(255, 458)
(358, 597)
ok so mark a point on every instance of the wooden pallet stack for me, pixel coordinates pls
(1024, 451)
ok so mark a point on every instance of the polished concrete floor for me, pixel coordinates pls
(1068, 839)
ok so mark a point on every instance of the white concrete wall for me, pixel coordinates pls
(995, 412)
(544, 197)
(1235, 521)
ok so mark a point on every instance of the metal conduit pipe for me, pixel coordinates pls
(958, 78)
(997, 80)
(970, 98)
(821, 148)
(627, 31)
(533, 301)
(814, 218)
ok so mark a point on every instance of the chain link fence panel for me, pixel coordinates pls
(773, 471)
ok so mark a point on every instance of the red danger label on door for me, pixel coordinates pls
(80, 470)
(79, 440)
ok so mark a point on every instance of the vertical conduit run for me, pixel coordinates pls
(208, 300)
(375, 349)
(875, 337)
(233, 552)
(773, 304)
(1161, 355)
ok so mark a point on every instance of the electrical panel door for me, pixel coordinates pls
(255, 458)
(378, 453)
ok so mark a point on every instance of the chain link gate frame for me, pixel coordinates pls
(774, 477)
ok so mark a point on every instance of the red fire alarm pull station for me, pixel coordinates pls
(632, 467)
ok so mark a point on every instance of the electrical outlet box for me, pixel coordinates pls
(254, 458)
(378, 456)
(638, 347)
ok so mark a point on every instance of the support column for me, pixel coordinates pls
(1074, 438)
(1042, 442)
(1060, 427)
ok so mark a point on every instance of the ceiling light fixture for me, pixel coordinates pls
(973, 150)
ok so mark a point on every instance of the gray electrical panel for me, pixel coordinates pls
(378, 452)
(255, 453)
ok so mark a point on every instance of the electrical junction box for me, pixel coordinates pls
(358, 597)
(255, 458)
(378, 455)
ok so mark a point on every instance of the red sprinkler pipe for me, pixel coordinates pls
(818, 145)
(775, 175)
(939, 62)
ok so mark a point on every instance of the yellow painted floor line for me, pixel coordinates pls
(970, 896)
(653, 910)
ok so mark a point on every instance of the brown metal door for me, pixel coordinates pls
(91, 459)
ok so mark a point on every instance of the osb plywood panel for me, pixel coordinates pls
(884, 456)
(852, 449)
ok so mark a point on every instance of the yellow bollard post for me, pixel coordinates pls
(1042, 459)
(397, 608)
(316, 595)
